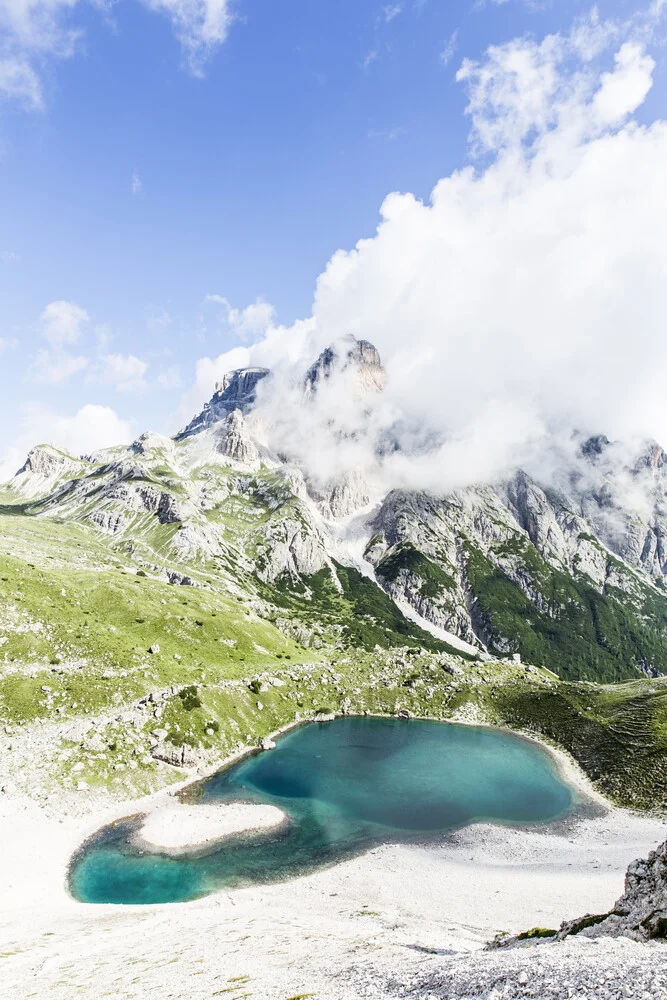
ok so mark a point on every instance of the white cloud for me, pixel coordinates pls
(525, 300)
(40, 25)
(33, 29)
(370, 57)
(124, 371)
(389, 134)
(11, 460)
(63, 322)
(158, 320)
(251, 321)
(90, 428)
(201, 26)
(623, 90)
(62, 325)
(137, 184)
(103, 336)
(8, 344)
(523, 89)
(449, 49)
(391, 11)
(57, 366)
(9, 257)
(19, 82)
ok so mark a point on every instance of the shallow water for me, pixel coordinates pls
(345, 785)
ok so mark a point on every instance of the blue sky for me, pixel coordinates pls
(143, 172)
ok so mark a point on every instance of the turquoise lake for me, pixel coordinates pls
(345, 786)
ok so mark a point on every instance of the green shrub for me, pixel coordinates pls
(536, 932)
(190, 698)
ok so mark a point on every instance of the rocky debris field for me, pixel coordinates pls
(602, 969)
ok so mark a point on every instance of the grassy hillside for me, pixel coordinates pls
(568, 625)
(76, 618)
(83, 703)
(360, 612)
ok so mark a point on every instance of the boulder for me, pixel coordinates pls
(640, 913)
(183, 756)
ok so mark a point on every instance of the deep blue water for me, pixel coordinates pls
(345, 785)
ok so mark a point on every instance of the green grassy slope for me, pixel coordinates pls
(571, 627)
(362, 614)
(237, 659)
(82, 621)
(617, 733)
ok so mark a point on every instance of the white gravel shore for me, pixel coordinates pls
(400, 921)
(179, 828)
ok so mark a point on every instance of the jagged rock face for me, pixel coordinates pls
(358, 357)
(653, 458)
(417, 548)
(149, 442)
(348, 495)
(640, 913)
(627, 507)
(170, 510)
(593, 447)
(558, 533)
(110, 521)
(237, 391)
(139, 498)
(49, 462)
(183, 756)
(517, 569)
(343, 497)
(236, 441)
(291, 546)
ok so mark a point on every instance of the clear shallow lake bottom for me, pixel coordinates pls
(345, 786)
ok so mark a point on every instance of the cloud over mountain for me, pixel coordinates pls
(527, 298)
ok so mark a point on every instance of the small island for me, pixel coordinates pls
(181, 828)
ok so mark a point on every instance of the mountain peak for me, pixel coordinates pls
(348, 353)
(236, 391)
(593, 446)
(47, 461)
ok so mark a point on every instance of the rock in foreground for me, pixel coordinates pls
(641, 912)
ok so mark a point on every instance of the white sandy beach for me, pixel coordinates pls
(177, 827)
(346, 931)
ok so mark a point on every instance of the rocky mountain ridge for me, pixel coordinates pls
(572, 577)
